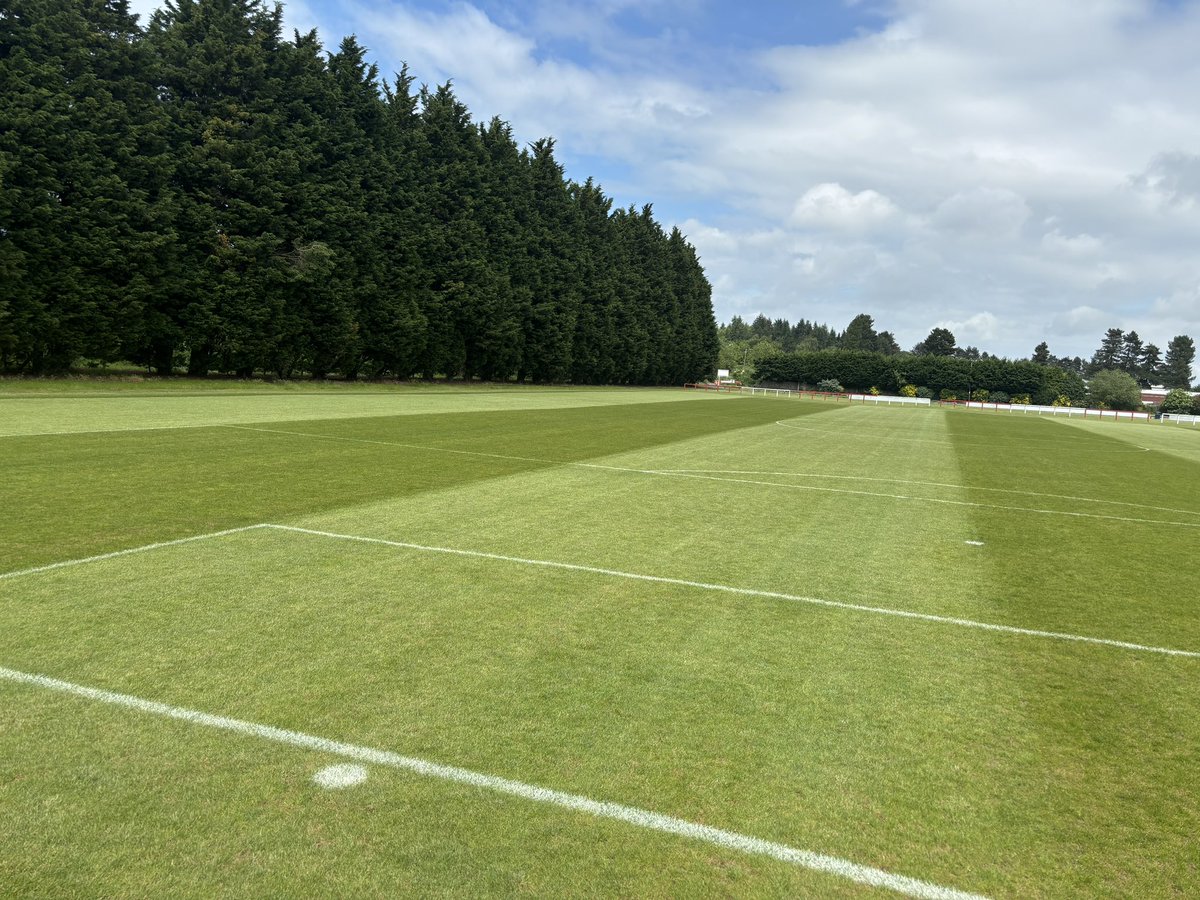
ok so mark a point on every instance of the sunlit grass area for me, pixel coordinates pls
(770, 617)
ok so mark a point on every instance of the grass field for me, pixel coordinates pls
(596, 642)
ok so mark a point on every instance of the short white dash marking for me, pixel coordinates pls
(631, 815)
(340, 776)
(974, 543)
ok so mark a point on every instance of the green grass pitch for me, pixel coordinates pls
(681, 604)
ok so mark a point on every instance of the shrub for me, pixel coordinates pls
(1061, 400)
(981, 395)
(908, 390)
(1021, 398)
(874, 391)
(1114, 389)
(999, 397)
(1178, 401)
(925, 393)
(830, 386)
(947, 394)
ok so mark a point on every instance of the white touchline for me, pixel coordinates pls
(936, 500)
(632, 815)
(664, 473)
(616, 573)
(401, 445)
(851, 432)
(156, 546)
(110, 430)
(745, 592)
(945, 484)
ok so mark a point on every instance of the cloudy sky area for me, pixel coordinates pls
(1013, 171)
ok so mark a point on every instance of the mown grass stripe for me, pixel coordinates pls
(729, 840)
(665, 473)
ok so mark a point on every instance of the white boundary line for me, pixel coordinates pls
(116, 553)
(632, 815)
(665, 473)
(110, 430)
(1171, 509)
(403, 446)
(939, 500)
(851, 432)
(633, 576)
(744, 592)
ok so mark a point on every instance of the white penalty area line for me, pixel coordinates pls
(1074, 446)
(936, 500)
(944, 484)
(110, 430)
(113, 555)
(632, 815)
(744, 592)
(667, 473)
(632, 576)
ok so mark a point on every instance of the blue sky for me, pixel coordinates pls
(1014, 171)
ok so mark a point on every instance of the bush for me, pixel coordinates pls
(981, 395)
(1021, 398)
(1178, 401)
(909, 390)
(947, 394)
(1061, 400)
(924, 393)
(1113, 389)
(999, 397)
(830, 386)
(874, 391)
(1196, 405)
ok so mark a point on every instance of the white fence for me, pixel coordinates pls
(889, 400)
(824, 395)
(1181, 418)
(1068, 411)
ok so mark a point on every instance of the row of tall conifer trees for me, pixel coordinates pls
(204, 193)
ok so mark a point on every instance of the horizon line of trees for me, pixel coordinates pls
(935, 376)
(744, 345)
(204, 194)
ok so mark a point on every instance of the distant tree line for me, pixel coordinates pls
(206, 194)
(938, 376)
(746, 348)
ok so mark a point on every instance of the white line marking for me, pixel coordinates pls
(90, 559)
(678, 474)
(432, 449)
(110, 430)
(744, 592)
(939, 500)
(1171, 509)
(974, 543)
(1075, 446)
(616, 573)
(728, 840)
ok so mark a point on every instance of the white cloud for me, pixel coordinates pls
(978, 329)
(830, 205)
